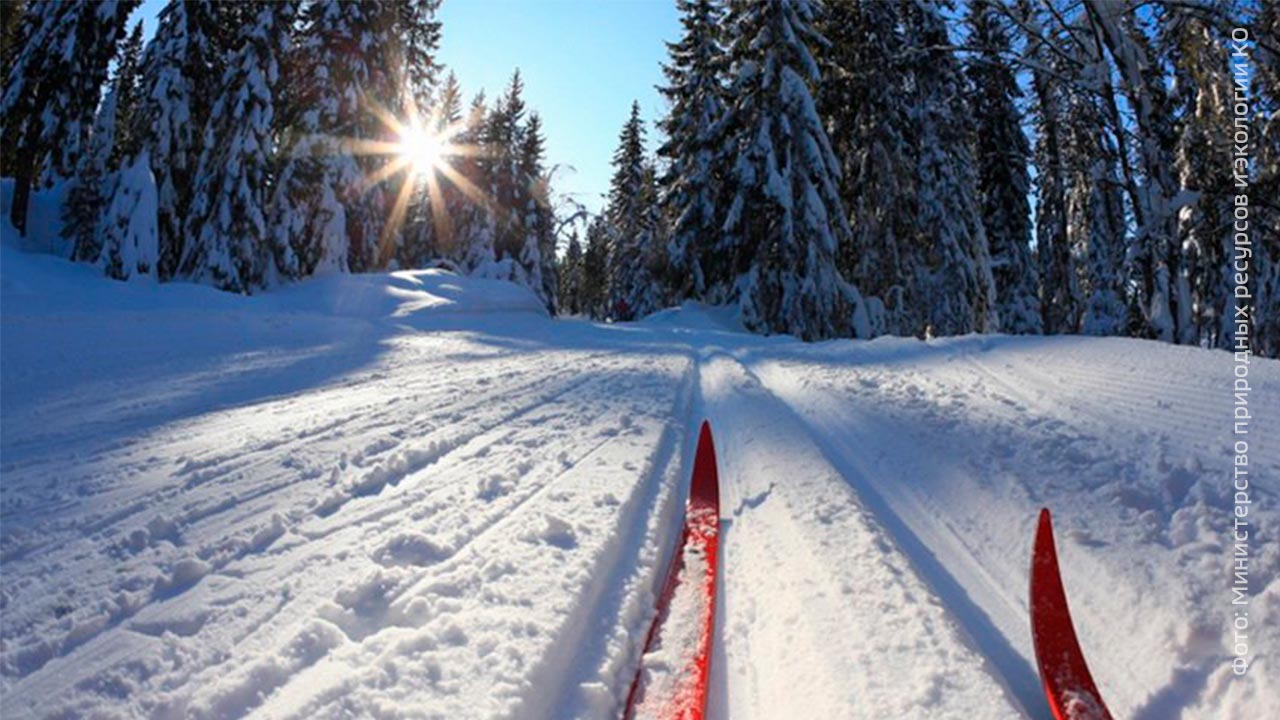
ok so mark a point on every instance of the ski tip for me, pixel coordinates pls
(706, 478)
(1045, 549)
(706, 450)
(1045, 524)
(1069, 687)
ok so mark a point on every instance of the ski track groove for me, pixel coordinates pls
(345, 423)
(77, 638)
(455, 446)
(802, 540)
(1002, 661)
(546, 408)
(465, 558)
(636, 584)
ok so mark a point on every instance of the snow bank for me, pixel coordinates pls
(33, 283)
(692, 315)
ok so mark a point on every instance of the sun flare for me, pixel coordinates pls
(425, 152)
(429, 154)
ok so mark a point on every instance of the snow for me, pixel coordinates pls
(415, 494)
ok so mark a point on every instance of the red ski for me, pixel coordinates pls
(671, 682)
(1067, 683)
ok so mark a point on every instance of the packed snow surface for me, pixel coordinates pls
(416, 495)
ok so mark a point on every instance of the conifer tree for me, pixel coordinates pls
(130, 238)
(1002, 154)
(570, 275)
(1095, 211)
(538, 253)
(594, 290)
(11, 37)
(1060, 301)
(229, 214)
(503, 178)
(419, 33)
(53, 89)
(127, 86)
(868, 121)
(86, 199)
(93, 189)
(180, 71)
(690, 184)
(630, 215)
(470, 212)
(1194, 50)
(329, 213)
(952, 289)
(784, 219)
(448, 108)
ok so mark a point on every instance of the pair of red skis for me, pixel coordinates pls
(1068, 686)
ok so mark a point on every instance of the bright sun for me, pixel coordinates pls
(423, 150)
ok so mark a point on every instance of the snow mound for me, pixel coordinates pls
(405, 295)
(40, 284)
(698, 316)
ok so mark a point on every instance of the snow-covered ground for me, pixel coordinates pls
(416, 495)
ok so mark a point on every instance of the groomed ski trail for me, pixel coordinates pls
(955, 447)
(809, 573)
(493, 536)
(416, 495)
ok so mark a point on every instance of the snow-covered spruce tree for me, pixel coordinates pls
(11, 38)
(87, 224)
(451, 203)
(86, 199)
(127, 86)
(130, 235)
(52, 90)
(419, 33)
(690, 184)
(631, 214)
(127, 226)
(953, 290)
(868, 122)
(518, 227)
(378, 72)
(470, 213)
(594, 290)
(228, 219)
(570, 275)
(538, 252)
(328, 213)
(503, 177)
(180, 71)
(784, 218)
(1002, 153)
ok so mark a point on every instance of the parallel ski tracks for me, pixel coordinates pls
(842, 554)
(196, 513)
(1003, 661)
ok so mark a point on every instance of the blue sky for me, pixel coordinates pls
(583, 62)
